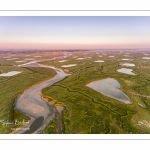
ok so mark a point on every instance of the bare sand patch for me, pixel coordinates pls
(59, 108)
(143, 122)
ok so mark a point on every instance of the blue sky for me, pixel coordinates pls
(87, 32)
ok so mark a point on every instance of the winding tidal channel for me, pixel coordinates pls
(32, 104)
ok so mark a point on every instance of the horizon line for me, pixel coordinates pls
(74, 49)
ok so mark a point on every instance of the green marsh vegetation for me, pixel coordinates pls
(12, 87)
(87, 111)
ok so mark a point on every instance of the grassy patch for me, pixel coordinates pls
(12, 87)
(88, 111)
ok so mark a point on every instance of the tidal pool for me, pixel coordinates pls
(109, 87)
(29, 59)
(99, 61)
(12, 58)
(11, 73)
(19, 61)
(126, 71)
(80, 58)
(145, 57)
(62, 61)
(70, 65)
(125, 59)
(128, 64)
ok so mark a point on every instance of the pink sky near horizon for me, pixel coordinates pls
(15, 45)
(74, 32)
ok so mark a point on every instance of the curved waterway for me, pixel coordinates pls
(32, 104)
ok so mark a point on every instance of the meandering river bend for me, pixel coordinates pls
(32, 104)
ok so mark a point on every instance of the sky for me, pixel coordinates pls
(74, 32)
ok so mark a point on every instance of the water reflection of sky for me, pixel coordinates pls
(109, 87)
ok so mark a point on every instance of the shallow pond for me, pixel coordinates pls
(125, 59)
(70, 65)
(99, 61)
(62, 61)
(109, 87)
(12, 58)
(19, 61)
(128, 64)
(29, 59)
(11, 73)
(145, 57)
(80, 58)
(126, 71)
